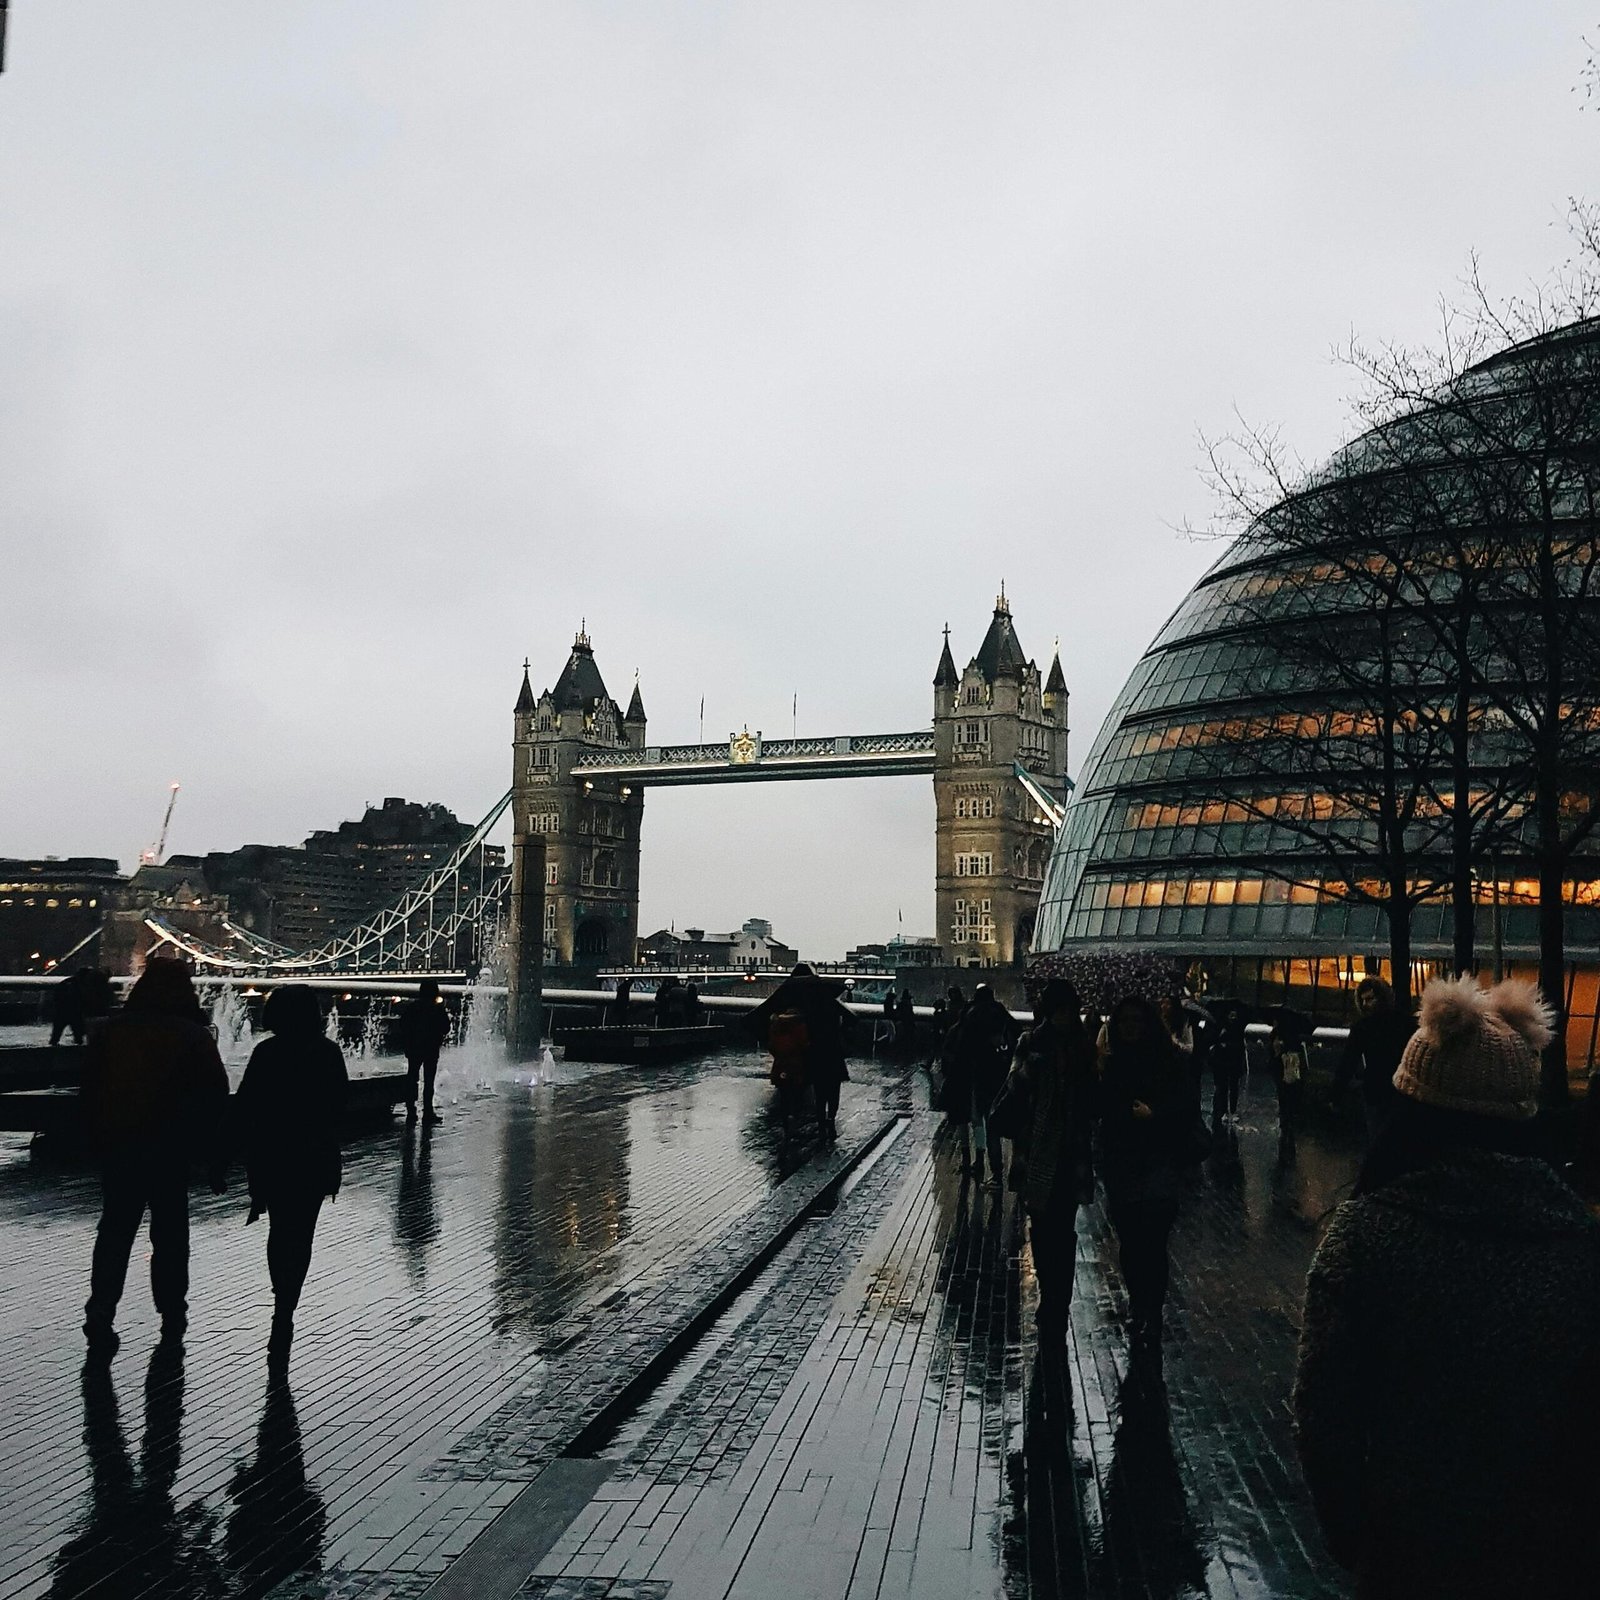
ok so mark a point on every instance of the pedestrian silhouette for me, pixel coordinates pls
(804, 1020)
(617, 1008)
(976, 1063)
(905, 1022)
(1147, 1117)
(1372, 1052)
(290, 1114)
(68, 1006)
(153, 1097)
(424, 1027)
(1047, 1110)
(1228, 1060)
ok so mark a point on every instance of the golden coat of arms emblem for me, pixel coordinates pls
(744, 749)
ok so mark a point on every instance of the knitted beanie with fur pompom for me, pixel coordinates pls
(1477, 1050)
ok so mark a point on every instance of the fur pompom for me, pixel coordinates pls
(1524, 1010)
(1451, 1010)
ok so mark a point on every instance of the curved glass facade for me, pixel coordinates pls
(1195, 827)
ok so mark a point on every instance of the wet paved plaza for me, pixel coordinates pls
(603, 1335)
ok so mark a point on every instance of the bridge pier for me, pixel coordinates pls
(525, 972)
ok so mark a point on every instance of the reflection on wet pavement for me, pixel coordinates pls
(870, 1417)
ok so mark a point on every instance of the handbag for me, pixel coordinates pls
(1293, 1066)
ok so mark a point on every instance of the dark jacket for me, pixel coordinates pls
(153, 1091)
(1047, 1109)
(827, 1021)
(1372, 1052)
(424, 1027)
(1449, 1384)
(977, 1055)
(1140, 1156)
(290, 1112)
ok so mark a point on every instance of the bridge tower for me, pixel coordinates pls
(991, 843)
(589, 826)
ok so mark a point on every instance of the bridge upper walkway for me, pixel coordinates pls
(749, 757)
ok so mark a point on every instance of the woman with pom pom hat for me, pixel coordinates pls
(1447, 1403)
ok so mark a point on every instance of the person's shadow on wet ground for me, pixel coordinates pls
(416, 1216)
(1152, 1541)
(135, 1540)
(278, 1521)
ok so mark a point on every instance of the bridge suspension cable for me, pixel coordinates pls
(404, 937)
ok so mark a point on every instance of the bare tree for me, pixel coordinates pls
(1467, 508)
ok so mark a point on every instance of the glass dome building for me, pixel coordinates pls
(1218, 817)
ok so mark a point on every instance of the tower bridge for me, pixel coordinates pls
(996, 751)
(581, 765)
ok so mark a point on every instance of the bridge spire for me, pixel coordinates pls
(525, 698)
(945, 677)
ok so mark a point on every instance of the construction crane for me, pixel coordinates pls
(152, 856)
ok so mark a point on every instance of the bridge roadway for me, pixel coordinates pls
(749, 758)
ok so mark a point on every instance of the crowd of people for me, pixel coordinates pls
(1448, 1384)
(1447, 1398)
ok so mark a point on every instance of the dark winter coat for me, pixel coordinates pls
(1373, 1051)
(1449, 1385)
(1140, 1157)
(154, 1091)
(827, 1021)
(290, 1112)
(976, 1057)
(424, 1027)
(1047, 1109)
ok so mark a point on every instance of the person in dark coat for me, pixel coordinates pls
(1228, 1059)
(1373, 1050)
(905, 1022)
(290, 1114)
(1289, 1058)
(668, 1010)
(618, 1006)
(68, 1011)
(1047, 1110)
(1146, 1113)
(424, 1027)
(153, 1097)
(1449, 1373)
(956, 1005)
(694, 1011)
(978, 1056)
(820, 1005)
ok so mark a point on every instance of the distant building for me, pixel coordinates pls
(303, 896)
(177, 891)
(49, 905)
(898, 952)
(752, 948)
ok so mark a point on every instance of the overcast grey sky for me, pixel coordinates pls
(350, 351)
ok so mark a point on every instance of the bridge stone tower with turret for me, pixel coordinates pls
(589, 826)
(992, 843)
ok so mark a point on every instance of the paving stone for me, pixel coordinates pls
(870, 1417)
